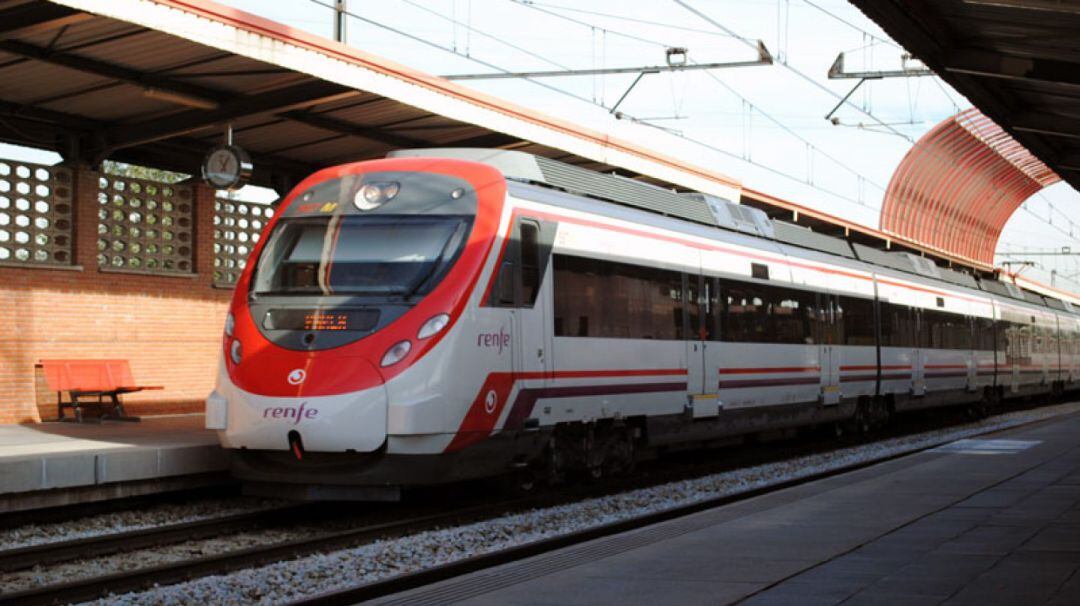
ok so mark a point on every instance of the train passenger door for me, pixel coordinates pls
(707, 403)
(521, 288)
(693, 329)
(532, 353)
(831, 327)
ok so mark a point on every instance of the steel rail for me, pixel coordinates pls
(21, 558)
(164, 574)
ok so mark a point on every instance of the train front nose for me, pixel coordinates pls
(354, 421)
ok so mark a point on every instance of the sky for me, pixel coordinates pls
(764, 126)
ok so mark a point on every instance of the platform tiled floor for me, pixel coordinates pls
(957, 528)
(58, 456)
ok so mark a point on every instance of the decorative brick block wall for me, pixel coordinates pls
(168, 326)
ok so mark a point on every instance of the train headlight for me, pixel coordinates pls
(230, 324)
(375, 194)
(396, 353)
(433, 326)
(236, 351)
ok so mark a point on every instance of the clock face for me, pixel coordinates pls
(226, 167)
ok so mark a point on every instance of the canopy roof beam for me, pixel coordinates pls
(37, 16)
(183, 123)
(995, 65)
(152, 84)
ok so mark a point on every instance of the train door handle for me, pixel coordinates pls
(540, 354)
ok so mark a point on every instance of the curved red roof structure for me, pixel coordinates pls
(959, 184)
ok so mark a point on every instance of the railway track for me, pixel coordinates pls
(165, 574)
(44, 554)
(142, 578)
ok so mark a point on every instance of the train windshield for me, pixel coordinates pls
(359, 256)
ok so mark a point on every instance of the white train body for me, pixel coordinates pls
(564, 315)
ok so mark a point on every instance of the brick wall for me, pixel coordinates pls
(168, 327)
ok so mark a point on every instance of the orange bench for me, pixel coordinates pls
(92, 382)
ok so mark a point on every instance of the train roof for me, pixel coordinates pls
(720, 213)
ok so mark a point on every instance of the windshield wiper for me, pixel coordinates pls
(435, 264)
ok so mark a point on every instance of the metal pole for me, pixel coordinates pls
(339, 20)
(649, 69)
(623, 97)
(844, 100)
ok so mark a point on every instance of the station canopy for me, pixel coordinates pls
(158, 83)
(1018, 61)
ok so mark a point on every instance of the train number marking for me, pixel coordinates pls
(297, 376)
(490, 400)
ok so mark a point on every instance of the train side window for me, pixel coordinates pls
(504, 285)
(984, 334)
(524, 262)
(745, 315)
(530, 262)
(598, 298)
(897, 325)
(859, 325)
(757, 313)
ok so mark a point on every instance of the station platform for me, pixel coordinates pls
(53, 464)
(985, 522)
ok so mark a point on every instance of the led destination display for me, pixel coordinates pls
(321, 319)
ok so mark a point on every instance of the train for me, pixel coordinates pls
(451, 314)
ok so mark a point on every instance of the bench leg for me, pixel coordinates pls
(118, 413)
(73, 404)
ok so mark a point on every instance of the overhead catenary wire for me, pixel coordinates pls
(876, 38)
(672, 26)
(435, 45)
(810, 147)
(794, 70)
(570, 94)
(747, 103)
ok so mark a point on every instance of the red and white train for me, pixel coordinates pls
(449, 314)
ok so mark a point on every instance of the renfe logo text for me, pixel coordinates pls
(290, 412)
(498, 340)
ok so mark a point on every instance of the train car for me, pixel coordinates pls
(442, 315)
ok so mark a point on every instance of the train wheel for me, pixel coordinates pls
(525, 482)
(879, 413)
(862, 422)
(554, 466)
(594, 473)
(619, 460)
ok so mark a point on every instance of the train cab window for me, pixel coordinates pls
(359, 256)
